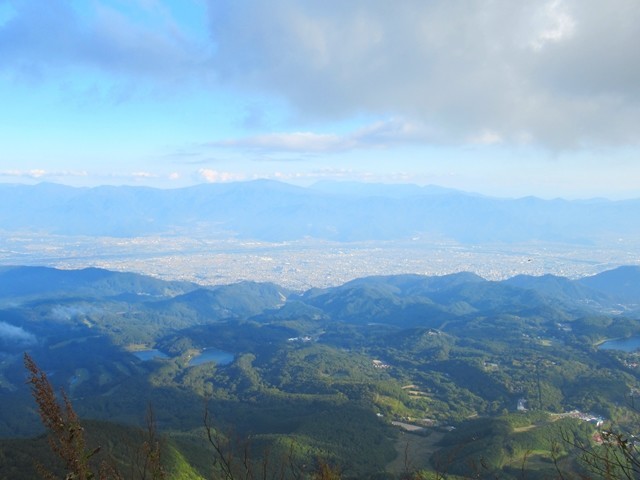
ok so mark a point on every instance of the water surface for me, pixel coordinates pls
(630, 344)
(219, 357)
(149, 354)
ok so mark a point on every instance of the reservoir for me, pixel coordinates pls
(150, 354)
(219, 357)
(630, 344)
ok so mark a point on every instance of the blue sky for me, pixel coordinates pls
(506, 98)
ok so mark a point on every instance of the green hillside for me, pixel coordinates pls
(342, 377)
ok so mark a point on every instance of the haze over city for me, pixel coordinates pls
(502, 98)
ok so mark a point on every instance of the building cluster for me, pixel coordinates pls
(299, 264)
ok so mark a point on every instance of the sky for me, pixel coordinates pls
(501, 97)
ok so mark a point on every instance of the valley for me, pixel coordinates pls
(343, 373)
(307, 263)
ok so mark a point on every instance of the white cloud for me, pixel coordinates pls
(342, 174)
(214, 176)
(486, 138)
(296, 141)
(143, 175)
(557, 25)
(36, 173)
(377, 135)
(12, 334)
(558, 73)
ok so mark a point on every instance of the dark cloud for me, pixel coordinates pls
(557, 73)
(563, 74)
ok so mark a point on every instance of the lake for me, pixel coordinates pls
(149, 354)
(630, 344)
(219, 357)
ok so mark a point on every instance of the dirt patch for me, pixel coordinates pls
(524, 429)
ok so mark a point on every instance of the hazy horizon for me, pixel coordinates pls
(316, 183)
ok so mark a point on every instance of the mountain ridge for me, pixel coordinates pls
(324, 366)
(274, 211)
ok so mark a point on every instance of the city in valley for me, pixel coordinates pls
(309, 263)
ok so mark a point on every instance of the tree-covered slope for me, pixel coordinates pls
(327, 369)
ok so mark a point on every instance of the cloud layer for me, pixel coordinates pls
(563, 74)
(381, 134)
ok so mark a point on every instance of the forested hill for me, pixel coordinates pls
(367, 297)
(331, 373)
(273, 211)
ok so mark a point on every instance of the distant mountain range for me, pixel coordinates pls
(272, 211)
